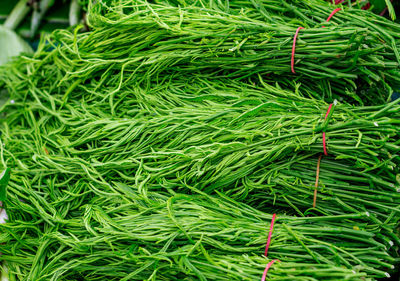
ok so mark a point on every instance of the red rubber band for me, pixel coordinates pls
(323, 133)
(297, 33)
(324, 142)
(271, 229)
(267, 268)
(333, 13)
(294, 48)
(329, 110)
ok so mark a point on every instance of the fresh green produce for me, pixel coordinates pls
(307, 13)
(342, 188)
(238, 45)
(116, 234)
(255, 144)
(112, 135)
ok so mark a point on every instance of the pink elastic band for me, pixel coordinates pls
(323, 133)
(294, 48)
(324, 142)
(329, 110)
(333, 13)
(297, 33)
(267, 268)
(271, 229)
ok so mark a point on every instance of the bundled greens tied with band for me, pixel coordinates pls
(196, 237)
(188, 39)
(204, 140)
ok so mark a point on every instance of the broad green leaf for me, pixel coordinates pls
(11, 45)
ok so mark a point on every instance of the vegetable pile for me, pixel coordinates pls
(188, 39)
(159, 144)
(134, 237)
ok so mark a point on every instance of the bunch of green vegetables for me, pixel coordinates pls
(112, 135)
(308, 13)
(238, 44)
(344, 53)
(158, 237)
(228, 137)
(318, 14)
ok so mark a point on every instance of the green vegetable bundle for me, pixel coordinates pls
(166, 99)
(209, 136)
(315, 13)
(251, 124)
(308, 13)
(116, 234)
(193, 39)
(342, 188)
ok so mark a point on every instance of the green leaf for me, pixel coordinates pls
(11, 45)
(4, 178)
